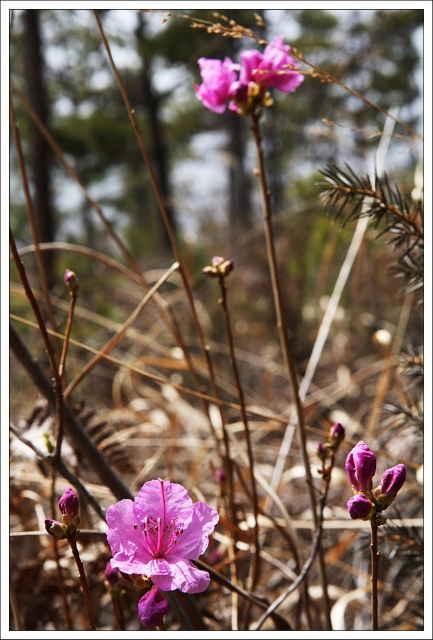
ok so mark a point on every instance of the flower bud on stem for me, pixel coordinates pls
(71, 282)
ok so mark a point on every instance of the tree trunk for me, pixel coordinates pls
(40, 153)
(158, 151)
(240, 215)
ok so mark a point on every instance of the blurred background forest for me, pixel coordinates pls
(204, 165)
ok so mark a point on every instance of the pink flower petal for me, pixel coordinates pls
(183, 576)
(152, 497)
(125, 539)
(195, 539)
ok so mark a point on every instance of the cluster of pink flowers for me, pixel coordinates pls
(155, 536)
(245, 85)
(361, 467)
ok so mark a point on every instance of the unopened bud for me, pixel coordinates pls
(220, 267)
(391, 483)
(69, 504)
(322, 451)
(337, 433)
(359, 507)
(56, 529)
(71, 282)
(152, 608)
(111, 574)
(361, 467)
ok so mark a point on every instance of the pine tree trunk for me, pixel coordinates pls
(40, 153)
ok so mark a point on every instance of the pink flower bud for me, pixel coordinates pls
(71, 281)
(359, 507)
(111, 574)
(56, 529)
(220, 267)
(337, 433)
(221, 476)
(69, 504)
(322, 451)
(152, 608)
(361, 467)
(391, 483)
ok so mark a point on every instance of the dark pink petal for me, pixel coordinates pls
(393, 479)
(361, 467)
(152, 608)
(337, 432)
(359, 506)
(250, 61)
(111, 574)
(276, 53)
(69, 504)
(217, 77)
(277, 68)
(125, 539)
(183, 576)
(239, 92)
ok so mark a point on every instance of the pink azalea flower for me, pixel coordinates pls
(361, 467)
(257, 71)
(217, 78)
(158, 533)
(274, 68)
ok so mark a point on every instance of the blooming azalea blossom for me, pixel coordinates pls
(245, 85)
(217, 79)
(159, 533)
(274, 68)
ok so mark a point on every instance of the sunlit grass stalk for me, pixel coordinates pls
(233, 362)
(284, 339)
